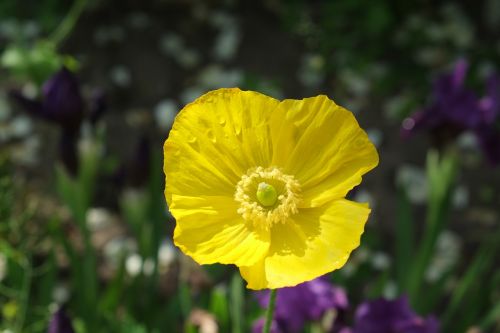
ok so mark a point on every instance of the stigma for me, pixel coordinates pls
(267, 196)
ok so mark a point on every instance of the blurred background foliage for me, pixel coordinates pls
(83, 222)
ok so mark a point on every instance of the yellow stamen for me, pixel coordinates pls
(267, 196)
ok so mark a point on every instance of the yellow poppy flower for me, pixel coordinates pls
(261, 184)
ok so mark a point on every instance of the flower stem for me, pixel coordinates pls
(68, 22)
(270, 311)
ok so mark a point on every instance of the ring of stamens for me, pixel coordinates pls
(264, 216)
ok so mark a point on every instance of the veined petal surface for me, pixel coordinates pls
(228, 142)
(322, 145)
(209, 230)
(215, 140)
(317, 242)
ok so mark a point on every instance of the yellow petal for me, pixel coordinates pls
(318, 241)
(255, 276)
(209, 230)
(322, 145)
(215, 140)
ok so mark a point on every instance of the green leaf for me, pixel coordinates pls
(219, 307)
(185, 300)
(110, 299)
(483, 259)
(490, 319)
(237, 302)
(36, 63)
(404, 239)
(441, 173)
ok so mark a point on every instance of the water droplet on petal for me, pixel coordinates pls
(211, 136)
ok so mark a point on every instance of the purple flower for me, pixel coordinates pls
(60, 322)
(489, 105)
(488, 132)
(61, 101)
(304, 302)
(391, 316)
(453, 101)
(454, 107)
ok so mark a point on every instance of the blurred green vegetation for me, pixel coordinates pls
(372, 53)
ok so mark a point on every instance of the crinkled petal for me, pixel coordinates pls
(318, 241)
(255, 275)
(209, 230)
(188, 172)
(219, 137)
(322, 145)
(215, 140)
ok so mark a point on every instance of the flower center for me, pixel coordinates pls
(267, 196)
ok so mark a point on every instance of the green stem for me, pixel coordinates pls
(68, 22)
(465, 287)
(270, 310)
(405, 240)
(490, 318)
(441, 173)
(25, 295)
(7, 292)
